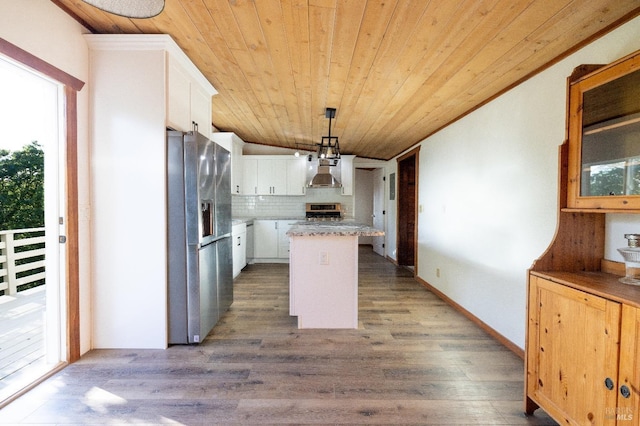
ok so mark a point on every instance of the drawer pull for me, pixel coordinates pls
(608, 383)
(624, 391)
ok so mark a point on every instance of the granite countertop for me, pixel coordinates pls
(338, 229)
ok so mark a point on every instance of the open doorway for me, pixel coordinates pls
(407, 209)
(32, 266)
(370, 203)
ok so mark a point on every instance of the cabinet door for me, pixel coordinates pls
(272, 176)
(604, 150)
(572, 349)
(629, 377)
(265, 238)
(235, 239)
(346, 174)
(178, 97)
(296, 176)
(201, 109)
(283, 239)
(249, 176)
(236, 167)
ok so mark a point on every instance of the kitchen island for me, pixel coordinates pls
(323, 273)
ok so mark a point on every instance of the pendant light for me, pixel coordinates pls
(329, 148)
(129, 8)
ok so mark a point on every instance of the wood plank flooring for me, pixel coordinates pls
(21, 339)
(413, 360)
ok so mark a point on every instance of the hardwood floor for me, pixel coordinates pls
(413, 360)
(22, 340)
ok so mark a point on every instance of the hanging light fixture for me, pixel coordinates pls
(328, 156)
(329, 148)
(129, 8)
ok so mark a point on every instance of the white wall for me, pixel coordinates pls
(45, 31)
(488, 187)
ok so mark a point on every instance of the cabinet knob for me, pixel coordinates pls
(608, 383)
(624, 391)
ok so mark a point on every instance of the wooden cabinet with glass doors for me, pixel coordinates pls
(604, 138)
(582, 354)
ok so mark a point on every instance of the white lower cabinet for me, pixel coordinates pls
(239, 239)
(265, 239)
(283, 239)
(271, 243)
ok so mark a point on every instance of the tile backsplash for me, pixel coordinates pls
(273, 206)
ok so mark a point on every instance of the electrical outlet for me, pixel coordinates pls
(438, 272)
(324, 258)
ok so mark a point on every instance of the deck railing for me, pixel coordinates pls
(21, 259)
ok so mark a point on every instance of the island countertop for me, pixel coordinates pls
(338, 229)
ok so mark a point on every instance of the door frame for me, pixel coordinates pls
(375, 164)
(379, 184)
(71, 87)
(402, 194)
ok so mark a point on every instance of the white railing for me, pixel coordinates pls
(21, 258)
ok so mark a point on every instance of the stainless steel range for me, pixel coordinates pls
(324, 211)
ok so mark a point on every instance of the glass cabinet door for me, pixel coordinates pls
(604, 138)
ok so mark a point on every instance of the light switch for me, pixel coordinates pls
(324, 258)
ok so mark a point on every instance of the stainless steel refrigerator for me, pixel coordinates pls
(200, 266)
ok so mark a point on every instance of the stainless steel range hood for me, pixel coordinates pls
(324, 178)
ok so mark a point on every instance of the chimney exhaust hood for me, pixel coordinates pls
(324, 178)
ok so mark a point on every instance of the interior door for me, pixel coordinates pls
(378, 210)
(407, 202)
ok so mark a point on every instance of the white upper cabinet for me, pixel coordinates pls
(231, 142)
(296, 176)
(273, 175)
(346, 174)
(189, 102)
(249, 176)
(201, 109)
(178, 97)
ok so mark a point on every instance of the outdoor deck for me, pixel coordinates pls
(21, 339)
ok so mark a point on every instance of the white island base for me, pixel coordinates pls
(323, 281)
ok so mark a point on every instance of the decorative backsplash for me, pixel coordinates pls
(263, 206)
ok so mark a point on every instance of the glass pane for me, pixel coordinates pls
(611, 137)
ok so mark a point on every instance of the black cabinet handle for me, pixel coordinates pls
(608, 383)
(624, 391)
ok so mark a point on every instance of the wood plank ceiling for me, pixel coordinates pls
(396, 70)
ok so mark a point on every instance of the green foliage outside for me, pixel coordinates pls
(22, 188)
(22, 200)
(611, 181)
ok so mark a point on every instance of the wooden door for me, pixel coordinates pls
(628, 407)
(407, 199)
(573, 350)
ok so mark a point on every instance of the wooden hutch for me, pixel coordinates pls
(582, 355)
